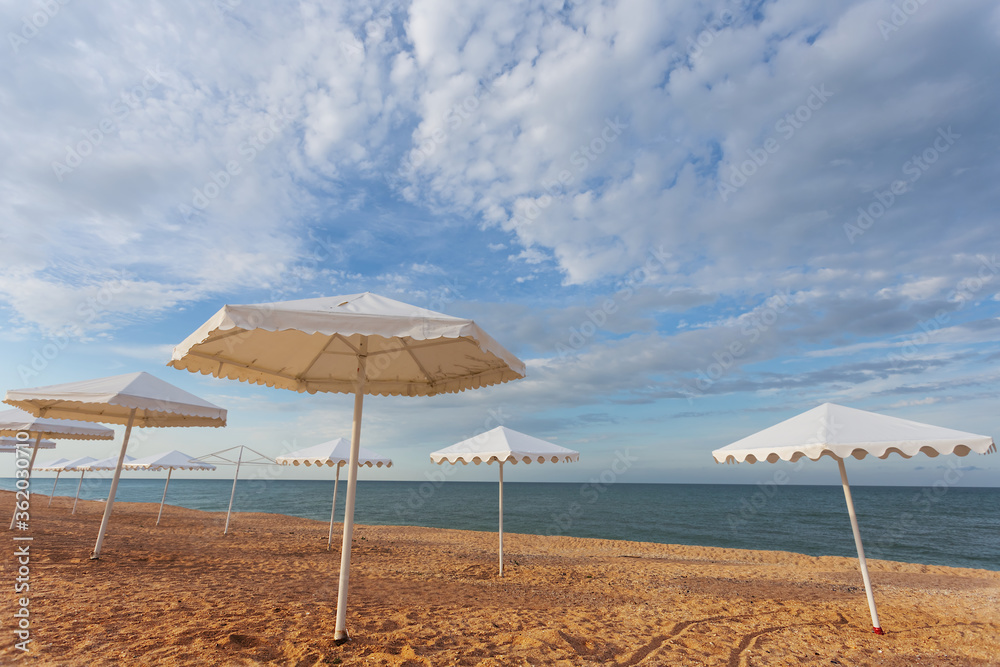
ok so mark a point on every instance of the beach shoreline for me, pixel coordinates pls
(182, 593)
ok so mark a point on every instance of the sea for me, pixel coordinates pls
(939, 525)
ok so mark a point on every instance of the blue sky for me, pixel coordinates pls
(692, 220)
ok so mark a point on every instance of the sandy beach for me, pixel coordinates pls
(182, 593)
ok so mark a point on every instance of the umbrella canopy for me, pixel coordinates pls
(49, 465)
(9, 444)
(17, 421)
(169, 461)
(359, 344)
(172, 460)
(68, 465)
(334, 453)
(145, 399)
(105, 464)
(133, 399)
(313, 345)
(503, 445)
(841, 432)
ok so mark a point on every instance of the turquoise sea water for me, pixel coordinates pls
(939, 525)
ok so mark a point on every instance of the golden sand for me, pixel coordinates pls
(184, 594)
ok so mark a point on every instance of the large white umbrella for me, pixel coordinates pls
(839, 432)
(356, 344)
(64, 465)
(334, 453)
(169, 461)
(134, 399)
(503, 445)
(16, 422)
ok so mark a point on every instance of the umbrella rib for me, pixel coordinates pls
(223, 360)
(232, 332)
(430, 380)
(323, 350)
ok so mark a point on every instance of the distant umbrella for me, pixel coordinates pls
(169, 461)
(68, 466)
(8, 444)
(334, 453)
(503, 445)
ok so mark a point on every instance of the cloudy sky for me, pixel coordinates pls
(691, 219)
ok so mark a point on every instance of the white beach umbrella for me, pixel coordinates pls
(65, 465)
(48, 465)
(840, 432)
(356, 344)
(503, 445)
(334, 453)
(19, 423)
(134, 399)
(169, 461)
(8, 444)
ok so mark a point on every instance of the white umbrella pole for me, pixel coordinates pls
(239, 460)
(501, 518)
(114, 488)
(333, 510)
(340, 632)
(79, 484)
(34, 453)
(58, 472)
(876, 628)
(164, 498)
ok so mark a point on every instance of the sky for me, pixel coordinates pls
(691, 220)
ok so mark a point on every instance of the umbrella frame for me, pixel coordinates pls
(221, 460)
